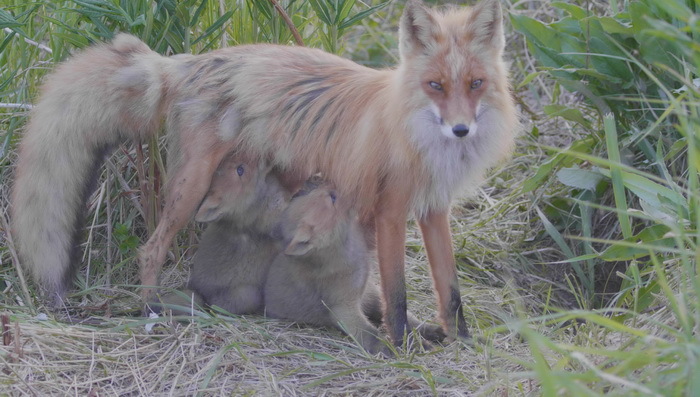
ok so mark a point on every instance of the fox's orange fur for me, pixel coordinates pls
(396, 141)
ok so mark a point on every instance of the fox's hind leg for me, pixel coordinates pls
(201, 153)
(435, 227)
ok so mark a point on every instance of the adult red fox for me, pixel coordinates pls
(394, 142)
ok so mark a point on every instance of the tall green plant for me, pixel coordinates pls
(637, 71)
(337, 17)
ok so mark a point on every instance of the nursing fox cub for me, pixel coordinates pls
(304, 260)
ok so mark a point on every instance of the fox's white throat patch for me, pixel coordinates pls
(455, 165)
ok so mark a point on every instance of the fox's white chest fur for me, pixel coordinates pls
(453, 166)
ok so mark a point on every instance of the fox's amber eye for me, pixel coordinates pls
(240, 170)
(435, 85)
(476, 84)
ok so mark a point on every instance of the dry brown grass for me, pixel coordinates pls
(217, 355)
(243, 356)
(95, 346)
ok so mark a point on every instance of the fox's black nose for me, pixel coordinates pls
(460, 130)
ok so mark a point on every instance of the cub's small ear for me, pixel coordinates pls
(486, 24)
(418, 30)
(301, 242)
(209, 211)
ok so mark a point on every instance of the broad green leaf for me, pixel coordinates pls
(7, 20)
(648, 190)
(612, 325)
(214, 27)
(612, 26)
(602, 43)
(664, 213)
(569, 26)
(528, 79)
(264, 7)
(579, 178)
(638, 12)
(576, 259)
(75, 39)
(343, 10)
(560, 159)
(613, 148)
(676, 9)
(573, 10)
(626, 252)
(322, 11)
(645, 296)
(567, 113)
(533, 29)
(652, 238)
(543, 172)
(652, 233)
(554, 233)
(9, 37)
(361, 15)
(195, 18)
(598, 77)
(664, 45)
(554, 58)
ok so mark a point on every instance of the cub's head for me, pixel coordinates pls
(239, 189)
(316, 218)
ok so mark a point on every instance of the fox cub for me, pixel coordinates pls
(303, 259)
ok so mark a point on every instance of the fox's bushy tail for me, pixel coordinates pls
(106, 95)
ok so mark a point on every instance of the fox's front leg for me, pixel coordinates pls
(390, 223)
(435, 227)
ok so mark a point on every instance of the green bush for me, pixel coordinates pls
(637, 71)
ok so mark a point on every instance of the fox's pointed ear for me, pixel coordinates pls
(418, 30)
(486, 24)
(301, 242)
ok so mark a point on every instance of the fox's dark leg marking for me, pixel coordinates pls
(454, 309)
